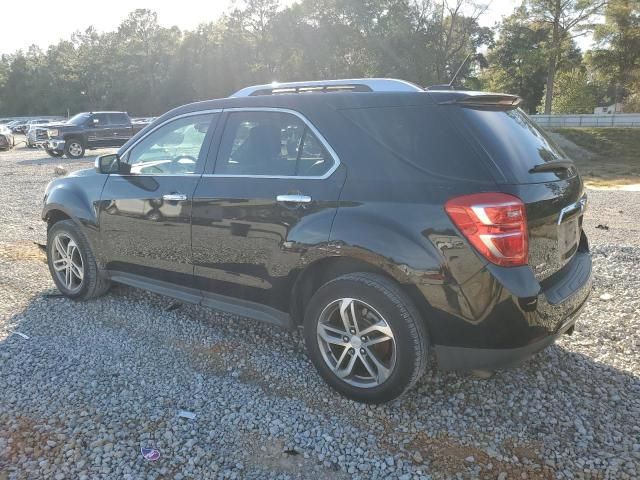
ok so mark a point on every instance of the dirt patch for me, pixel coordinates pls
(22, 251)
(445, 454)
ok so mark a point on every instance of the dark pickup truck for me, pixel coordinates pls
(90, 130)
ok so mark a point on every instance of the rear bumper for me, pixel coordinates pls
(461, 358)
(501, 327)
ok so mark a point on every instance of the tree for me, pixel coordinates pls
(617, 52)
(574, 93)
(517, 62)
(564, 18)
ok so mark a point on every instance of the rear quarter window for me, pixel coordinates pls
(514, 142)
(424, 137)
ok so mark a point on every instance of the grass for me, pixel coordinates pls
(612, 158)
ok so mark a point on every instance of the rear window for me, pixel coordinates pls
(423, 137)
(514, 142)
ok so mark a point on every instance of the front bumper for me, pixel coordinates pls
(54, 145)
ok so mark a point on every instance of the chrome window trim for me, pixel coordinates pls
(177, 117)
(310, 126)
(307, 122)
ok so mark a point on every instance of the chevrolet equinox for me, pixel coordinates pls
(384, 219)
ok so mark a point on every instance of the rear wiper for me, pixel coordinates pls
(553, 165)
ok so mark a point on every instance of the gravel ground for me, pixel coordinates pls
(96, 381)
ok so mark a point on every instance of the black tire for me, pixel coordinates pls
(74, 148)
(53, 153)
(94, 283)
(401, 315)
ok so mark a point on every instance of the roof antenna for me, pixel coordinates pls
(458, 71)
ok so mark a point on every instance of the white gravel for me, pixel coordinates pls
(96, 381)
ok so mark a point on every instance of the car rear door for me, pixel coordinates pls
(145, 211)
(120, 127)
(98, 131)
(269, 199)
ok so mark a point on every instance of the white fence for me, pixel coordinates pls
(599, 120)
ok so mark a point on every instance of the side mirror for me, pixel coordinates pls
(109, 163)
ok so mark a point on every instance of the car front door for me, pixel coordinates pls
(145, 210)
(98, 132)
(270, 198)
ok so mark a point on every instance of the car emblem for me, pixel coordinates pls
(150, 454)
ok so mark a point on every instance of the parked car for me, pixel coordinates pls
(90, 130)
(12, 124)
(384, 219)
(7, 140)
(37, 133)
(19, 126)
(24, 127)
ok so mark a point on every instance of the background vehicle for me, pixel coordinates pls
(37, 133)
(382, 218)
(18, 126)
(90, 130)
(7, 140)
(24, 127)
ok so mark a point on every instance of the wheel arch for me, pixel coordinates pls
(76, 136)
(316, 274)
(55, 215)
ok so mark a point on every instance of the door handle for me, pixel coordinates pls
(293, 198)
(174, 197)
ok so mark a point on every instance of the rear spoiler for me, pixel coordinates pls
(489, 100)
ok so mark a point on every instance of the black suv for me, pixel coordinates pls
(384, 219)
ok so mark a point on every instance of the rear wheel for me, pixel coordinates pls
(71, 262)
(74, 148)
(365, 337)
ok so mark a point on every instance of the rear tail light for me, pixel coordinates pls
(495, 224)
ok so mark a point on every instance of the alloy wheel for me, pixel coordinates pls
(356, 343)
(75, 149)
(67, 262)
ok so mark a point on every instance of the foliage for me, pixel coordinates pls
(617, 53)
(574, 93)
(563, 18)
(145, 68)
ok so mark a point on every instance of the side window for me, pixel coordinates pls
(173, 148)
(99, 120)
(118, 119)
(102, 118)
(270, 144)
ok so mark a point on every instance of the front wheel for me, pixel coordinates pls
(53, 153)
(71, 262)
(366, 337)
(74, 148)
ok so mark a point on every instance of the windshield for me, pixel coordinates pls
(78, 119)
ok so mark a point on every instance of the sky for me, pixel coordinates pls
(48, 23)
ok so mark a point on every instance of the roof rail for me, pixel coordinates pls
(324, 86)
